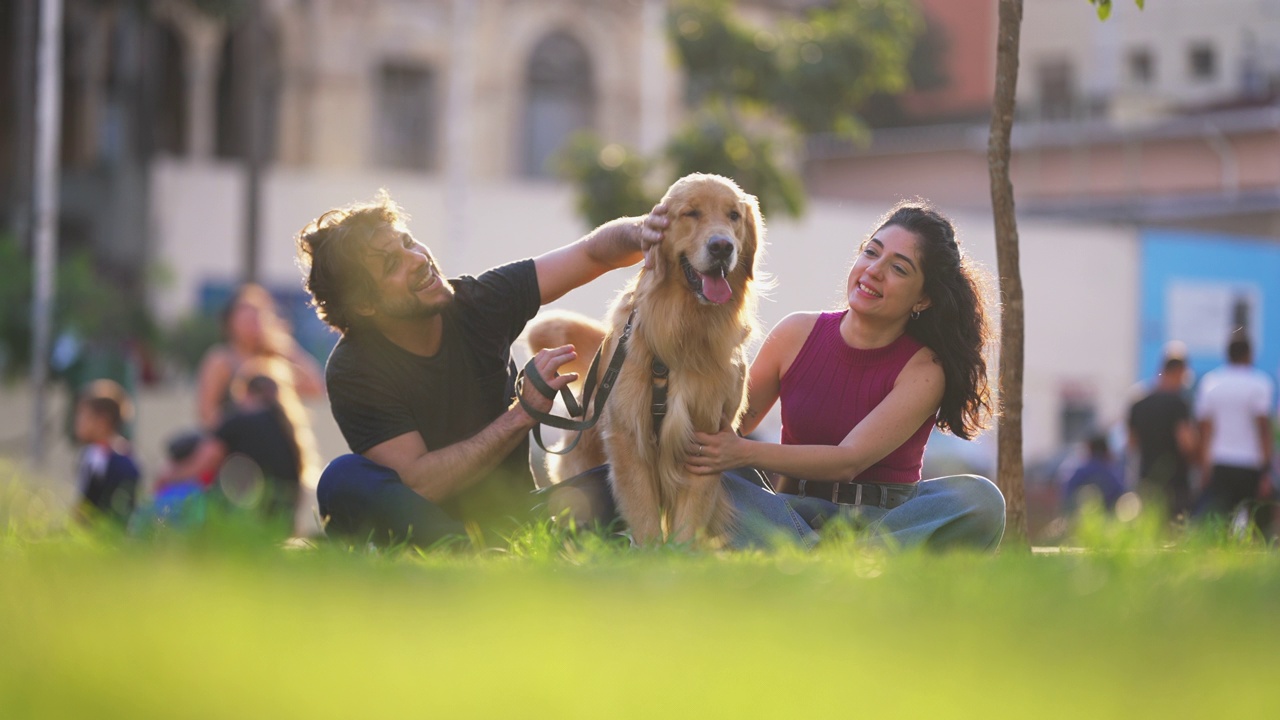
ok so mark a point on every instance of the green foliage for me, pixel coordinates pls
(97, 310)
(1103, 7)
(186, 342)
(610, 179)
(15, 308)
(752, 92)
(815, 71)
(713, 143)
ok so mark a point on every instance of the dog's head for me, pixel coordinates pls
(712, 241)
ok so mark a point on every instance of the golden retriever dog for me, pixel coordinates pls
(694, 310)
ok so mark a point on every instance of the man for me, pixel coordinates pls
(1162, 435)
(1234, 409)
(422, 383)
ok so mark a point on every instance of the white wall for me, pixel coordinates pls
(1081, 281)
(1099, 51)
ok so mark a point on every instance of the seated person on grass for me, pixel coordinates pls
(422, 384)
(1097, 478)
(108, 476)
(253, 452)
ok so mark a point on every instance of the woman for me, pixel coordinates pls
(251, 328)
(862, 388)
(263, 434)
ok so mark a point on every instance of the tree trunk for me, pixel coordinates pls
(1009, 475)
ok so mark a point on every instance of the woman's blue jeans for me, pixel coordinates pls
(960, 511)
(955, 512)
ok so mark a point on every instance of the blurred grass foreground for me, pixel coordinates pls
(217, 623)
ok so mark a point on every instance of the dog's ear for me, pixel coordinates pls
(753, 232)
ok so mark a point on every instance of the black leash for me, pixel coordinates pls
(530, 372)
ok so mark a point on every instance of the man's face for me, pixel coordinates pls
(408, 281)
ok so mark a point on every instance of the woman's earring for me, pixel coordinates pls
(915, 314)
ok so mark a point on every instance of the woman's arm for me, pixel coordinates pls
(764, 379)
(212, 382)
(915, 397)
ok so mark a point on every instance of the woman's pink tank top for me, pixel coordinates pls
(831, 387)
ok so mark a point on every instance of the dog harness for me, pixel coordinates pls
(658, 400)
(657, 405)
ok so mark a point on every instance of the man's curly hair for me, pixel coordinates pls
(329, 253)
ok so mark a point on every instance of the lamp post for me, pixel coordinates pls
(45, 215)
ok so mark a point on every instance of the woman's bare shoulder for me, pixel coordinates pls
(924, 365)
(797, 324)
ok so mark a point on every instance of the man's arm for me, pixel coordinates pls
(615, 244)
(439, 474)
(1185, 434)
(1263, 423)
(1206, 464)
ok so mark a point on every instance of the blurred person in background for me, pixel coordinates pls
(1163, 437)
(251, 328)
(1233, 406)
(1097, 477)
(256, 452)
(107, 476)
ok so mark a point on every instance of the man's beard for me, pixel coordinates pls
(413, 308)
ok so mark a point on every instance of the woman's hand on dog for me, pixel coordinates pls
(713, 453)
(548, 361)
(652, 229)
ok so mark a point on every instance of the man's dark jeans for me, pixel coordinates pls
(364, 501)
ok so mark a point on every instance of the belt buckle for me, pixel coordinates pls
(857, 494)
(835, 493)
(801, 483)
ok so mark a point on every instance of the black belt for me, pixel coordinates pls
(887, 495)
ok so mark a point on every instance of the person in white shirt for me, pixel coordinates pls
(1233, 406)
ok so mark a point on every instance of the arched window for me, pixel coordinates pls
(559, 100)
(240, 66)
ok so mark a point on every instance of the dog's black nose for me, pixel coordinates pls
(720, 247)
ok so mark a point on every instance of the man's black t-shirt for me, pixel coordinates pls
(379, 391)
(1154, 420)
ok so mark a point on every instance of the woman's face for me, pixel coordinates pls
(887, 280)
(247, 323)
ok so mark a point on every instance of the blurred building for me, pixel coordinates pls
(1166, 116)
(474, 89)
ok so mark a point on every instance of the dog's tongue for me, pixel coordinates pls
(715, 288)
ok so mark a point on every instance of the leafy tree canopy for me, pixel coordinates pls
(1104, 7)
(753, 91)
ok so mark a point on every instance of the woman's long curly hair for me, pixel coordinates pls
(955, 324)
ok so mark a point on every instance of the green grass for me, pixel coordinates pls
(222, 624)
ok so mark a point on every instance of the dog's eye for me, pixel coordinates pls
(695, 214)
(735, 216)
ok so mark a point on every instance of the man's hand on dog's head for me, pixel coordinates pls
(652, 229)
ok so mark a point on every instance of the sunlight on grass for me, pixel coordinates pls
(222, 622)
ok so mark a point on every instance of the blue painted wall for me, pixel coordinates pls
(1193, 288)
